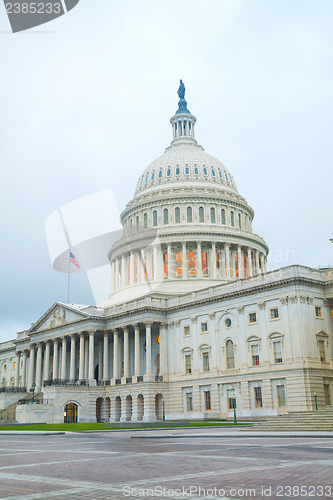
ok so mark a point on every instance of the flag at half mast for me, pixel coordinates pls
(74, 260)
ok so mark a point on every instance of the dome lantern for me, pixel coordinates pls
(183, 121)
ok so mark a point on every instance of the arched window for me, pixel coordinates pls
(160, 174)
(212, 215)
(145, 220)
(232, 218)
(168, 172)
(189, 214)
(230, 354)
(179, 270)
(166, 216)
(155, 218)
(201, 214)
(191, 263)
(165, 263)
(223, 216)
(218, 261)
(196, 170)
(187, 170)
(146, 272)
(137, 222)
(239, 221)
(236, 265)
(177, 171)
(245, 266)
(177, 215)
(204, 263)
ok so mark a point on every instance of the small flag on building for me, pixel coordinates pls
(74, 260)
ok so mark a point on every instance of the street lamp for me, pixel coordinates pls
(33, 387)
(234, 405)
(163, 411)
(315, 398)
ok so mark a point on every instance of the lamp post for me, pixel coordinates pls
(33, 387)
(163, 411)
(234, 406)
(315, 398)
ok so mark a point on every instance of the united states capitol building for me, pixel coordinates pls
(194, 324)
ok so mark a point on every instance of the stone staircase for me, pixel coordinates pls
(9, 414)
(320, 420)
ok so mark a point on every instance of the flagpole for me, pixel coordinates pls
(69, 275)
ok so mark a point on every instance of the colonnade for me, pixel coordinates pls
(186, 260)
(123, 355)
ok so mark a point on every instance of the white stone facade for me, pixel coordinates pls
(194, 323)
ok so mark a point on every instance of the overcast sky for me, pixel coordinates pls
(86, 101)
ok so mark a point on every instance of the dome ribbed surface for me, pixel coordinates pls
(186, 163)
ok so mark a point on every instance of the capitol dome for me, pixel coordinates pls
(187, 227)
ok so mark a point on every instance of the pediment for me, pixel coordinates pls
(58, 315)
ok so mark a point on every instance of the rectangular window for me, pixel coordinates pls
(277, 352)
(14, 365)
(275, 313)
(204, 328)
(322, 354)
(207, 400)
(281, 395)
(205, 358)
(188, 363)
(255, 355)
(231, 399)
(252, 317)
(189, 401)
(186, 330)
(257, 397)
(318, 312)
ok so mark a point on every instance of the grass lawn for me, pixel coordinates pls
(103, 427)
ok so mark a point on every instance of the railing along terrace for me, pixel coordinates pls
(158, 378)
(65, 382)
(13, 389)
(118, 381)
(128, 380)
(103, 382)
(140, 378)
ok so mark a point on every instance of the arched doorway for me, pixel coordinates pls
(129, 408)
(140, 407)
(117, 408)
(159, 406)
(98, 409)
(70, 413)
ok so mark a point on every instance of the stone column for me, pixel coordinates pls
(86, 358)
(72, 363)
(63, 357)
(264, 260)
(106, 356)
(24, 366)
(55, 358)
(115, 354)
(47, 361)
(31, 366)
(199, 260)
(163, 348)
(17, 373)
(213, 261)
(117, 274)
(126, 352)
(170, 270)
(257, 262)
(240, 262)
(249, 263)
(184, 261)
(39, 367)
(91, 355)
(137, 367)
(81, 362)
(123, 271)
(155, 263)
(148, 350)
(131, 268)
(227, 255)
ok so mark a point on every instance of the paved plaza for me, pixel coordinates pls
(165, 464)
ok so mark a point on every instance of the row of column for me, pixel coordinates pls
(38, 371)
(174, 260)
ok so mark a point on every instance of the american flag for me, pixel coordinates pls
(74, 260)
